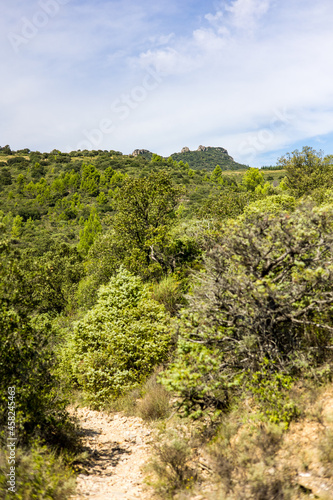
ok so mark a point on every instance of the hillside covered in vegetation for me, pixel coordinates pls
(208, 157)
(197, 297)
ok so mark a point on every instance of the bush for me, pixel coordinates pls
(171, 465)
(271, 392)
(325, 447)
(27, 362)
(275, 204)
(120, 341)
(155, 402)
(266, 294)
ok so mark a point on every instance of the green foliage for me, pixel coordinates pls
(252, 179)
(37, 171)
(32, 285)
(168, 292)
(229, 202)
(92, 227)
(145, 213)
(27, 362)
(208, 159)
(275, 204)
(39, 475)
(102, 262)
(5, 177)
(271, 393)
(90, 180)
(216, 173)
(118, 343)
(196, 378)
(266, 293)
(307, 170)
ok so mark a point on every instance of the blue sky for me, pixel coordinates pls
(253, 76)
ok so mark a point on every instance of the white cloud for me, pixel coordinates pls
(221, 83)
(244, 14)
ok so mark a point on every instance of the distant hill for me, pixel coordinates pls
(208, 158)
(203, 158)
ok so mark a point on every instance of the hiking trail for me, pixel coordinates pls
(117, 447)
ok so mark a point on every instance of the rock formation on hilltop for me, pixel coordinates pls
(141, 152)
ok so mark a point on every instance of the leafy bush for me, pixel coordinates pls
(27, 362)
(102, 262)
(271, 392)
(275, 205)
(266, 294)
(119, 341)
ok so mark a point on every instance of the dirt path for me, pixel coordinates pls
(117, 449)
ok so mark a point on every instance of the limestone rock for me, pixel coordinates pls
(138, 152)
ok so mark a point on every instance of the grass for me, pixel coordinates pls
(40, 474)
(151, 401)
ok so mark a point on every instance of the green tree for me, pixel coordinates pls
(33, 285)
(90, 180)
(253, 178)
(5, 177)
(17, 226)
(217, 172)
(229, 202)
(37, 171)
(145, 213)
(20, 181)
(92, 227)
(118, 343)
(307, 170)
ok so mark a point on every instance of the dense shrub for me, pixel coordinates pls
(266, 294)
(27, 363)
(118, 342)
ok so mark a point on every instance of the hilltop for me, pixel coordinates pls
(205, 157)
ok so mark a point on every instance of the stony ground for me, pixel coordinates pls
(117, 448)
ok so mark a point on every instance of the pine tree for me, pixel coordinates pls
(92, 227)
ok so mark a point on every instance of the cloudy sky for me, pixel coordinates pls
(253, 76)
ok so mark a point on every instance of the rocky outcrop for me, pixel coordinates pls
(139, 152)
(204, 148)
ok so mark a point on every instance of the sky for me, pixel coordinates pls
(252, 76)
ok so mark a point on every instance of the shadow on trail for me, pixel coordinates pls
(100, 458)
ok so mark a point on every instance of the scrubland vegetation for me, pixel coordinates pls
(199, 299)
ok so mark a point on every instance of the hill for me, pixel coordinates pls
(208, 158)
(205, 157)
